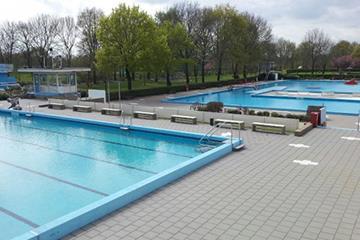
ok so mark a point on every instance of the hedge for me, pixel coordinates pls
(333, 70)
(168, 90)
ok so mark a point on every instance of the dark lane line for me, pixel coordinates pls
(104, 141)
(80, 155)
(18, 217)
(54, 178)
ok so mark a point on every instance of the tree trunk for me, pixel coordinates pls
(128, 77)
(168, 82)
(28, 58)
(312, 67)
(187, 73)
(94, 75)
(195, 73)
(202, 71)
(245, 73)
(114, 75)
(235, 71)
(219, 69)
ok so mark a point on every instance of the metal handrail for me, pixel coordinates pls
(211, 132)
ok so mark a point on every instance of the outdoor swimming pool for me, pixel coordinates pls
(57, 174)
(249, 97)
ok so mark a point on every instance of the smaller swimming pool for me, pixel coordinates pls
(254, 98)
(59, 173)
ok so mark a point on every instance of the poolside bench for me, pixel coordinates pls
(111, 111)
(234, 123)
(81, 108)
(57, 106)
(183, 119)
(303, 129)
(145, 115)
(268, 127)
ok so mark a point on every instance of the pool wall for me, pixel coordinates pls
(77, 219)
(257, 93)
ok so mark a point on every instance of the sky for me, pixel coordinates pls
(290, 19)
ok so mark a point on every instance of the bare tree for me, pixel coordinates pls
(8, 40)
(257, 38)
(285, 53)
(204, 37)
(45, 29)
(88, 23)
(26, 37)
(318, 45)
(67, 37)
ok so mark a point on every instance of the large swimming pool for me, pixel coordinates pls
(57, 174)
(251, 98)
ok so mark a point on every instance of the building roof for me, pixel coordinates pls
(53, 71)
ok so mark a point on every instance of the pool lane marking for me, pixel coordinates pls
(18, 217)
(105, 141)
(80, 155)
(55, 178)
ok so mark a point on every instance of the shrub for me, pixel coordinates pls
(275, 114)
(266, 113)
(260, 113)
(251, 112)
(202, 108)
(215, 106)
(3, 96)
(234, 111)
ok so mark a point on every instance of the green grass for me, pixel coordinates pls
(141, 84)
(26, 79)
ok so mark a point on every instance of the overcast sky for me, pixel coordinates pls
(290, 19)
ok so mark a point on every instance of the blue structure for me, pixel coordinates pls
(5, 79)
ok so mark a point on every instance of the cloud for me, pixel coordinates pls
(290, 19)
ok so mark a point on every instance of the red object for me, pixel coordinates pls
(314, 118)
(351, 82)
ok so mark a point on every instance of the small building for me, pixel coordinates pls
(5, 79)
(54, 82)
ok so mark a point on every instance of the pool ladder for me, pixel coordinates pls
(206, 144)
(123, 122)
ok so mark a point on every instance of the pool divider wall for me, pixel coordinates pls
(73, 221)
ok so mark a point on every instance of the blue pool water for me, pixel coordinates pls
(50, 168)
(245, 97)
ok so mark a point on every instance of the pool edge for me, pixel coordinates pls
(73, 221)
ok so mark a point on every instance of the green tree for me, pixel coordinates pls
(187, 14)
(177, 41)
(342, 48)
(126, 37)
(356, 52)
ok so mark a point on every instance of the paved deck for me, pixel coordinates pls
(258, 193)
